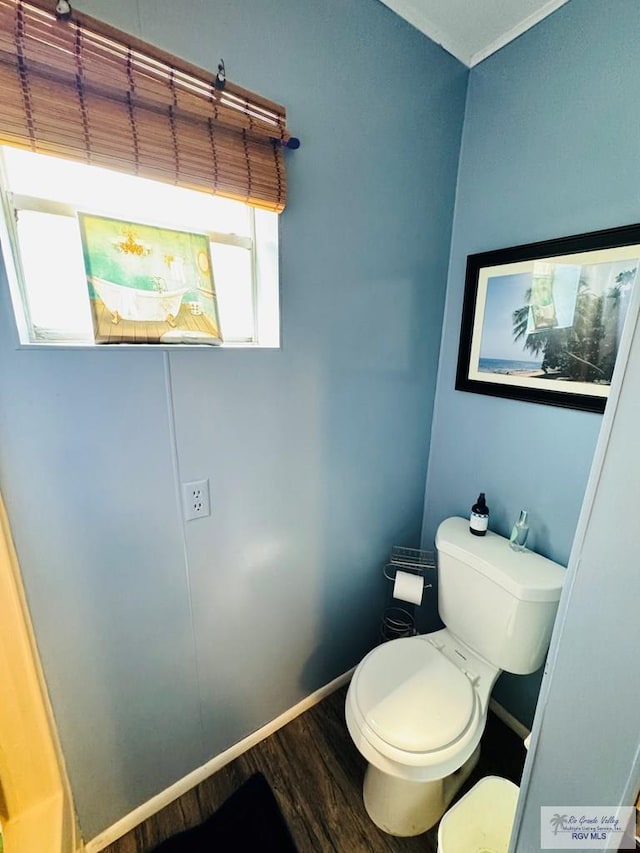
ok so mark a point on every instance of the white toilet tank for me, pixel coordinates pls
(500, 602)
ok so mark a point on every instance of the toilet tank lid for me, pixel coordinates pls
(524, 574)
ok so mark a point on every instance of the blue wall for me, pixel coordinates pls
(164, 643)
(550, 148)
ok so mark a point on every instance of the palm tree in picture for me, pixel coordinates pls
(614, 313)
(550, 342)
(572, 352)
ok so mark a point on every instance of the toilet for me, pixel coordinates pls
(417, 706)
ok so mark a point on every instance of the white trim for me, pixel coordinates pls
(415, 15)
(509, 720)
(155, 804)
(517, 30)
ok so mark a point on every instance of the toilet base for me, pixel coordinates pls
(403, 807)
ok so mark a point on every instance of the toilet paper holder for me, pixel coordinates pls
(410, 560)
(398, 621)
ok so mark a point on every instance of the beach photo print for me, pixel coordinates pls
(543, 322)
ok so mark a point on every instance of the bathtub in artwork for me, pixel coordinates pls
(129, 303)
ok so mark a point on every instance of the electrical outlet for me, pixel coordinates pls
(195, 499)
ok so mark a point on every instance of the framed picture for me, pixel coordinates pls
(542, 322)
(147, 284)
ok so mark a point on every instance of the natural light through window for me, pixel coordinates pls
(43, 247)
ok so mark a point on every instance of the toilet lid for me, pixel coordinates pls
(412, 697)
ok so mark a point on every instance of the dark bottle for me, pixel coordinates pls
(479, 519)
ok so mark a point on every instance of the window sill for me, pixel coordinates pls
(92, 347)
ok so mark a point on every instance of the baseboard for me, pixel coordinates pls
(508, 719)
(155, 804)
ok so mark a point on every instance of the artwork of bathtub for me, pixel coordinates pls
(129, 303)
(148, 284)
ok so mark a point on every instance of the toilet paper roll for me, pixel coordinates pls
(408, 587)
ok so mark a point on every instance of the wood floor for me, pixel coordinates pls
(316, 774)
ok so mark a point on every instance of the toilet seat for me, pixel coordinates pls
(412, 697)
(415, 713)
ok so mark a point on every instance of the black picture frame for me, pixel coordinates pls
(585, 279)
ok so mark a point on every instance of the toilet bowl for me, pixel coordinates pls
(417, 706)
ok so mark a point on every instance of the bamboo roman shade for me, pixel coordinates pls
(82, 90)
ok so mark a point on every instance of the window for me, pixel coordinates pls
(41, 198)
(192, 155)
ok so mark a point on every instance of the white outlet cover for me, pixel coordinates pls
(195, 499)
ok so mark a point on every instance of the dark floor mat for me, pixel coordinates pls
(249, 820)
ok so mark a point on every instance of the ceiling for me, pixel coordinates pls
(473, 29)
